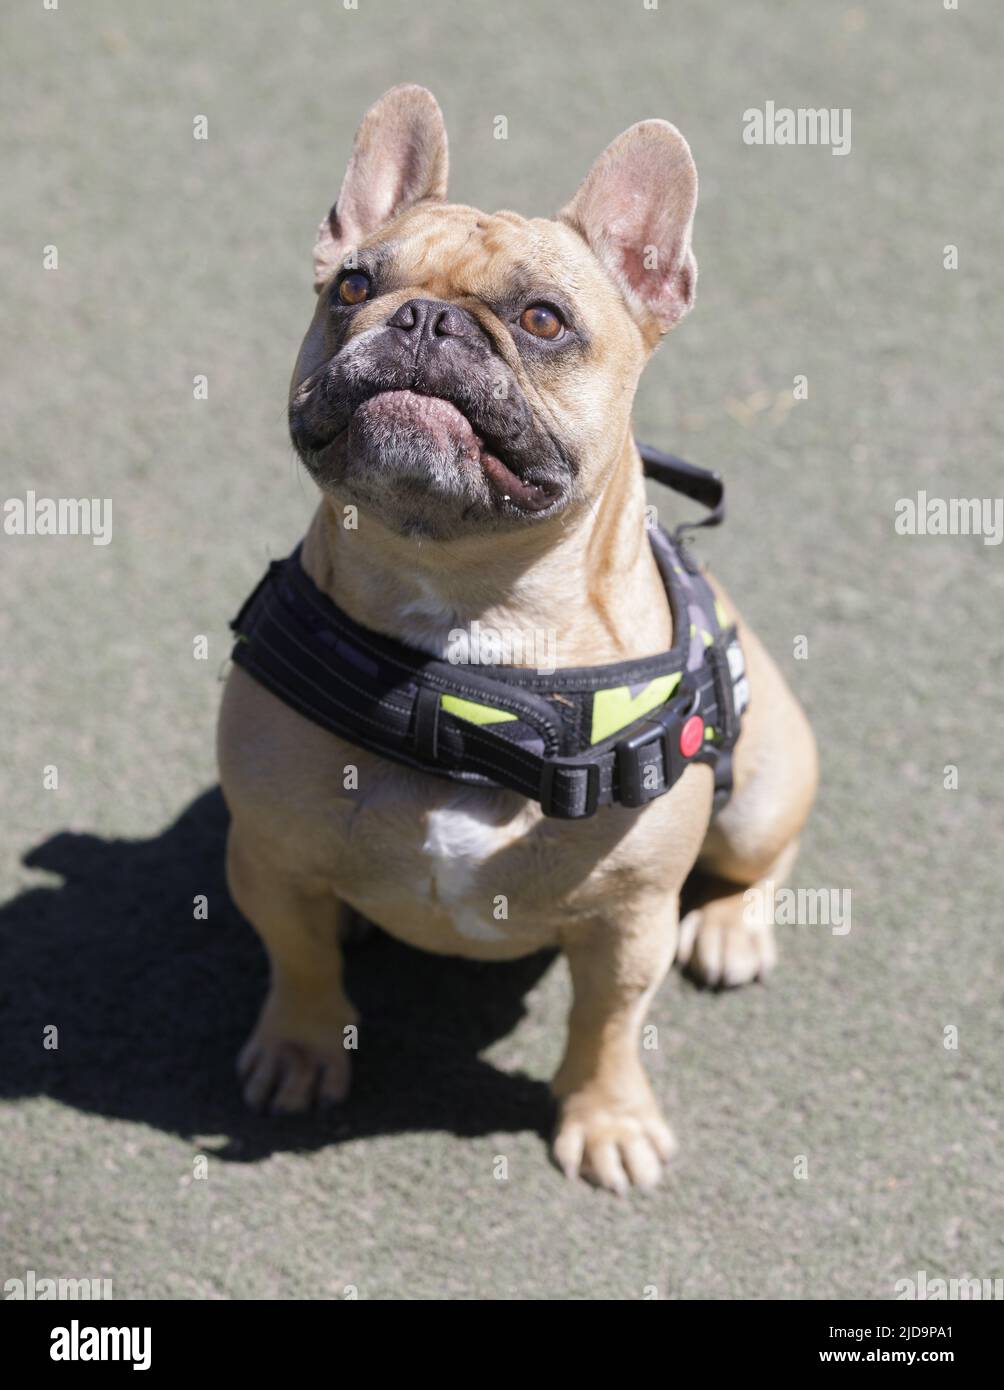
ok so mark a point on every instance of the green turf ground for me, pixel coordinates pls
(178, 257)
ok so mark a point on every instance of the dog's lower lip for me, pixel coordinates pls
(529, 496)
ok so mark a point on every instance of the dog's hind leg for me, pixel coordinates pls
(297, 1054)
(725, 937)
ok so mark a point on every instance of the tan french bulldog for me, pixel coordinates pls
(522, 508)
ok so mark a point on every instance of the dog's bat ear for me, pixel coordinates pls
(635, 208)
(399, 157)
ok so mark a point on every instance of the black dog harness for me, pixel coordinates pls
(573, 739)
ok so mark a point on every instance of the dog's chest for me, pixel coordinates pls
(457, 847)
(461, 872)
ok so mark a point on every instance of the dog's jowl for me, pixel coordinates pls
(462, 400)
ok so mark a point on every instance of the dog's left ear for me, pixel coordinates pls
(398, 158)
(636, 211)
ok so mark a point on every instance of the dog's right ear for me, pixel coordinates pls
(399, 157)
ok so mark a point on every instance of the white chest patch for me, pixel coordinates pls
(459, 838)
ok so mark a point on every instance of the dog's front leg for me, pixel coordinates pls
(297, 1054)
(609, 1128)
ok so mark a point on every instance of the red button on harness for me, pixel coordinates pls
(692, 735)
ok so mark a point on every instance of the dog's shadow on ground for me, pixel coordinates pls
(151, 1004)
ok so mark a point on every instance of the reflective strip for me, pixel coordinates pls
(472, 712)
(617, 708)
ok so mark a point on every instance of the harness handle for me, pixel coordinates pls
(699, 484)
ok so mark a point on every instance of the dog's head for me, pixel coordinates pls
(468, 372)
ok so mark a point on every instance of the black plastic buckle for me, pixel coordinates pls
(551, 770)
(662, 729)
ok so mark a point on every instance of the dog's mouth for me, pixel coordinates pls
(420, 436)
(449, 433)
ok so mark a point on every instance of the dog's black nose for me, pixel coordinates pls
(431, 318)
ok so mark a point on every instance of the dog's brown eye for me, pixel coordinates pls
(354, 288)
(541, 321)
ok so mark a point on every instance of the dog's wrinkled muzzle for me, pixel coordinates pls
(423, 402)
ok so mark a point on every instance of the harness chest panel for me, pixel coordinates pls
(572, 739)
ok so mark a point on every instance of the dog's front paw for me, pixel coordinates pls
(719, 947)
(287, 1065)
(613, 1143)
